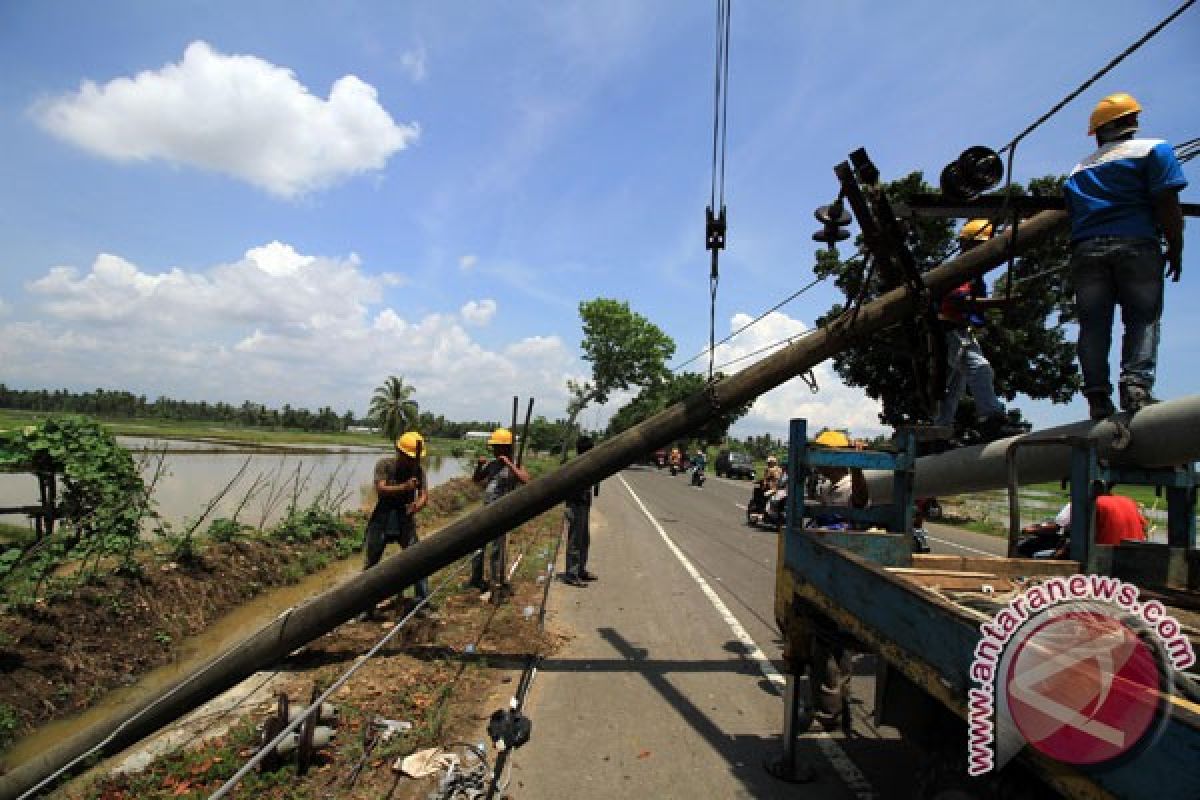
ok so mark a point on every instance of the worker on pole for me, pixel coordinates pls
(1120, 198)
(967, 368)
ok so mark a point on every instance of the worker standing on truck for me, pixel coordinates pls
(967, 368)
(1120, 198)
(402, 491)
(498, 476)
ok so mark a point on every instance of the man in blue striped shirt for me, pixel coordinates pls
(1120, 198)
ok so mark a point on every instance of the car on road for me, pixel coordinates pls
(732, 464)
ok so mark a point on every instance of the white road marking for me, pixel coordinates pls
(850, 774)
(739, 505)
(961, 546)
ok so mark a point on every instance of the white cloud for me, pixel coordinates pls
(834, 405)
(234, 114)
(467, 263)
(479, 313)
(414, 64)
(275, 326)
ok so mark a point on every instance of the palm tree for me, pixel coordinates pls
(391, 407)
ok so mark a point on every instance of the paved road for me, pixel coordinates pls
(670, 686)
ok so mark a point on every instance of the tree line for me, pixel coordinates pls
(119, 403)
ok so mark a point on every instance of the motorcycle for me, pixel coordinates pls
(771, 512)
(697, 475)
(1042, 540)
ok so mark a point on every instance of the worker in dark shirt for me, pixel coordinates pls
(1120, 199)
(402, 491)
(579, 535)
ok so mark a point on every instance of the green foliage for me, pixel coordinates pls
(392, 407)
(10, 723)
(674, 389)
(223, 529)
(306, 525)
(1026, 344)
(103, 501)
(624, 348)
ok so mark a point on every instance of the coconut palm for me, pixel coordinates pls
(391, 407)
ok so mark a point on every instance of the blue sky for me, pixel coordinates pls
(289, 201)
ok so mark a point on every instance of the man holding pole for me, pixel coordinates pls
(402, 491)
(499, 476)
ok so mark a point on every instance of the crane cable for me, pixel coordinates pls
(714, 223)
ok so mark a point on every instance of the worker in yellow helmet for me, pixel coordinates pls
(402, 492)
(1120, 198)
(967, 368)
(498, 476)
(838, 486)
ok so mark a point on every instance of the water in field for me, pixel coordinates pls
(189, 475)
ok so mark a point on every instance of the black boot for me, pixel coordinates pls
(1134, 397)
(999, 426)
(1100, 405)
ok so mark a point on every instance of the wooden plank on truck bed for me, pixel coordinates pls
(998, 565)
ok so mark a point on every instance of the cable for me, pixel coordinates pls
(1098, 75)
(337, 684)
(754, 321)
(715, 225)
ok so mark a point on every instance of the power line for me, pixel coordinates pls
(1098, 75)
(751, 323)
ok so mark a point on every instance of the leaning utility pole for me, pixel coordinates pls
(329, 610)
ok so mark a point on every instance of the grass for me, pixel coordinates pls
(186, 429)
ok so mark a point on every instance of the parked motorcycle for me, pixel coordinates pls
(697, 475)
(1042, 540)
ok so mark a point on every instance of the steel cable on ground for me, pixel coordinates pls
(337, 684)
(472, 647)
(530, 672)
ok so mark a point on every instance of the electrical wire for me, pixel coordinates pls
(337, 684)
(754, 321)
(1098, 75)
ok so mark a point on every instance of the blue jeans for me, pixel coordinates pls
(967, 368)
(1111, 271)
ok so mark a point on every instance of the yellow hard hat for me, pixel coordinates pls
(832, 439)
(501, 436)
(411, 444)
(1110, 108)
(977, 230)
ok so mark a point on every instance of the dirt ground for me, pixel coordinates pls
(59, 655)
(445, 675)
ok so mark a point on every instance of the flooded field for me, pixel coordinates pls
(193, 473)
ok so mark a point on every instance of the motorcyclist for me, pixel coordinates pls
(676, 460)
(699, 461)
(771, 476)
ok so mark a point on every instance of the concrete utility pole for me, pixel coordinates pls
(1162, 435)
(327, 611)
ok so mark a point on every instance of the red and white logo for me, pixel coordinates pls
(1083, 688)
